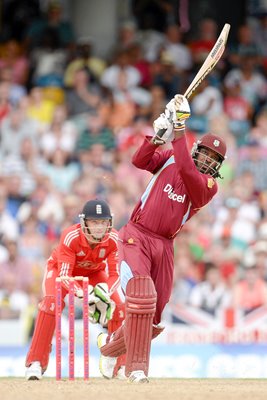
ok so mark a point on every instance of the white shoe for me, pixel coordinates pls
(121, 373)
(106, 364)
(138, 377)
(34, 372)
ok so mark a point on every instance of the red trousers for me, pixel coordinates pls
(144, 253)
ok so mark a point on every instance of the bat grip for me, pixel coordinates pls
(161, 132)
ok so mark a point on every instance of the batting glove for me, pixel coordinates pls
(179, 109)
(163, 128)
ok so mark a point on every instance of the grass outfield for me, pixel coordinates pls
(157, 389)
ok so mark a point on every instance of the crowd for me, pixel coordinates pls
(70, 122)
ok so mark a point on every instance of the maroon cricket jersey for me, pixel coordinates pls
(176, 191)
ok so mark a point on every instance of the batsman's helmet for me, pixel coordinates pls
(95, 210)
(209, 165)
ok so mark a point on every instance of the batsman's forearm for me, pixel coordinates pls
(178, 132)
(146, 156)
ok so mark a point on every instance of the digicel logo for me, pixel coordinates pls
(172, 195)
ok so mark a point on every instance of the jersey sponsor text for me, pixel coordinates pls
(172, 195)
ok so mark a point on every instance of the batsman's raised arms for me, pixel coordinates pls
(208, 65)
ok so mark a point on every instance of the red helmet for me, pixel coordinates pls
(213, 142)
(209, 165)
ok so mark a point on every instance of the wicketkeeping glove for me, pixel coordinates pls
(105, 312)
(92, 301)
(105, 306)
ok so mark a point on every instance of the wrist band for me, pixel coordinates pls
(178, 126)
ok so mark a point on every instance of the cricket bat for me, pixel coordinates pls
(210, 62)
(208, 65)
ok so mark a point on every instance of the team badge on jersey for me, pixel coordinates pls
(211, 183)
(102, 253)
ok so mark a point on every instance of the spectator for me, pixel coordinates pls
(179, 52)
(17, 268)
(117, 114)
(84, 59)
(48, 61)
(8, 225)
(40, 109)
(15, 91)
(61, 172)
(259, 130)
(166, 76)
(35, 34)
(97, 164)
(259, 29)
(33, 245)
(253, 159)
(5, 106)
(251, 291)
(253, 82)
(203, 41)
(61, 133)
(25, 167)
(15, 196)
(245, 44)
(124, 81)
(14, 59)
(158, 101)
(208, 101)
(127, 36)
(211, 294)
(12, 301)
(237, 220)
(239, 111)
(137, 60)
(83, 97)
(15, 128)
(94, 133)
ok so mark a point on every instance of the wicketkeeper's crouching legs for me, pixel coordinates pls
(135, 335)
(43, 333)
(114, 324)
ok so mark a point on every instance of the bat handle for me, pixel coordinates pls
(161, 132)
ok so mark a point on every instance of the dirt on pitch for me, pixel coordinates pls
(157, 389)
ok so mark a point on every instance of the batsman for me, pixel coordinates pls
(182, 183)
(88, 249)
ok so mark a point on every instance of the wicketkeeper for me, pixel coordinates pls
(181, 184)
(85, 249)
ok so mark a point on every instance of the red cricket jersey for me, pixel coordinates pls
(176, 191)
(74, 256)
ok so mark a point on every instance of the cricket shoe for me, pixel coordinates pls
(106, 364)
(138, 377)
(34, 372)
(121, 373)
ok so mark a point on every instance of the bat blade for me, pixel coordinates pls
(210, 62)
(208, 65)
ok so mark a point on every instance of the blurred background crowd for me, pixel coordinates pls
(71, 120)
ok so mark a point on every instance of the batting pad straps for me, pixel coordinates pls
(140, 307)
(115, 345)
